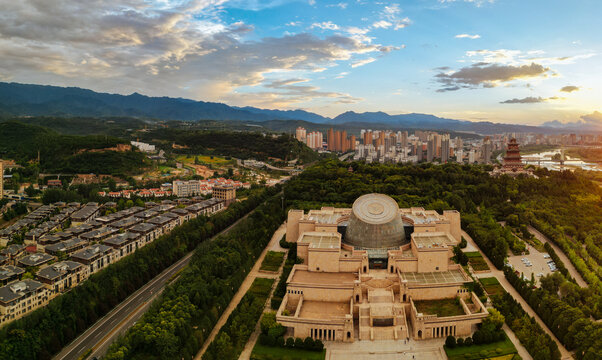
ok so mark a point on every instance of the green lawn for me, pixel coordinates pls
(492, 286)
(261, 287)
(272, 261)
(487, 351)
(261, 352)
(476, 261)
(441, 308)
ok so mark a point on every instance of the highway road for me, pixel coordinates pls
(100, 336)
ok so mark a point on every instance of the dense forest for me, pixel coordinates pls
(244, 145)
(565, 206)
(177, 324)
(47, 330)
(66, 153)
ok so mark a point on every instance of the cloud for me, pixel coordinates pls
(390, 14)
(382, 24)
(341, 5)
(184, 48)
(362, 62)
(593, 118)
(570, 88)
(591, 121)
(487, 75)
(476, 2)
(506, 56)
(530, 100)
(468, 36)
(326, 25)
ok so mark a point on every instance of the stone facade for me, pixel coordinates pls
(343, 292)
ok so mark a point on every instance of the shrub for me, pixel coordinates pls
(460, 342)
(450, 342)
(309, 343)
(290, 342)
(299, 343)
(280, 341)
(276, 331)
(319, 346)
(275, 302)
(468, 341)
(463, 243)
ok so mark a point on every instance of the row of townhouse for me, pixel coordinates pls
(91, 247)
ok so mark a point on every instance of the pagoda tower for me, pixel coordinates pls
(512, 160)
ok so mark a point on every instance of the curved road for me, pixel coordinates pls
(117, 321)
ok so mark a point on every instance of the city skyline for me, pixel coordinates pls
(471, 60)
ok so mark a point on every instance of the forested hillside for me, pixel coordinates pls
(243, 145)
(66, 153)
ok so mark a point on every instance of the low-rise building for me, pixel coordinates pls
(99, 234)
(21, 297)
(125, 243)
(66, 246)
(37, 259)
(96, 257)
(147, 231)
(183, 188)
(12, 252)
(85, 214)
(225, 192)
(10, 273)
(62, 276)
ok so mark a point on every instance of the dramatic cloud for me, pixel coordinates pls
(487, 75)
(468, 36)
(528, 100)
(591, 121)
(570, 88)
(174, 48)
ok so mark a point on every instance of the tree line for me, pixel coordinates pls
(204, 289)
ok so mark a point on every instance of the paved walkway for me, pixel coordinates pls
(567, 262)
(386, 350)
(244, 287)
(248, 349)
(499, 275)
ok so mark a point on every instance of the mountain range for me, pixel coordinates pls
(17, 100)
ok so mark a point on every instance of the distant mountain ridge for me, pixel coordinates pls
(45, 100)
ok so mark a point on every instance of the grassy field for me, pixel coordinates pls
(261, 287)
(497, 350)
(492, 286)
(475, 259)
(205, 159)
(443, 307)
(272, 261)
(261, 352)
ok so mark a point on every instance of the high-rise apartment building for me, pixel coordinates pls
(486, 150)
(367, 137)
(330, 140)
(301, 134)
(445, 147)
(315, 140)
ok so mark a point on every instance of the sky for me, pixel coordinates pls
(510, 61)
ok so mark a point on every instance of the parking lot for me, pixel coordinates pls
(536, 262)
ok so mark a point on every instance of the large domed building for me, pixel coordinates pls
(368, 271)
(375, 223)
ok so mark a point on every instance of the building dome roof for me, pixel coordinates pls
(375, 223)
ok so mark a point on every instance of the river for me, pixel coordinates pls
(544, 159)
